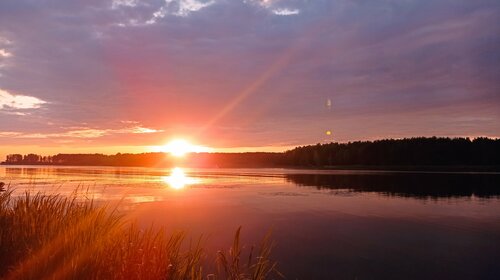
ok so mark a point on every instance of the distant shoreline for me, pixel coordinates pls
(397, 168)
(412, 154)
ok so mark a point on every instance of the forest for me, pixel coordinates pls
(399, 152)
(419, 151)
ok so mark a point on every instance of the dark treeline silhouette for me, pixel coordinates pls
(152, 160)
(412, 151)
(403, 152)
(416, 185)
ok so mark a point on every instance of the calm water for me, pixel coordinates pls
(327, 224)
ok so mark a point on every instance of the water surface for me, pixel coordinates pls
(327, 224)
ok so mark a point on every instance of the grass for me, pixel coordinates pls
(55, 237)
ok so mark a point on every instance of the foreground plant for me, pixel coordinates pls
(55, 237)
(232, 266)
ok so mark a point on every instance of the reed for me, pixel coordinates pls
(55, 237)
(230, 265)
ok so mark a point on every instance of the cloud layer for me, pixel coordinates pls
(247, 73)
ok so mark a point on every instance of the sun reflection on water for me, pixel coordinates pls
(178, 179)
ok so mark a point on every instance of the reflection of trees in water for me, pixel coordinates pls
(13, 171)
(37, 171)
(116, 173)
(24, 171)
(405, 184)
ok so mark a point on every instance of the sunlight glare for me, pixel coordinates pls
(180, 147)
(178, 179)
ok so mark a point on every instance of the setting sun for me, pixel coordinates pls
(181, 147)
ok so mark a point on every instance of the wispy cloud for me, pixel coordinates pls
(286, 12)
(188, 6)
(9, 134)
(5, 53)
(11, 101)
(181, 8)
(129, 122)
(178, 8)
(80, 132)
(127, 3)
(263, 3)
(141, 130)
(275, 7)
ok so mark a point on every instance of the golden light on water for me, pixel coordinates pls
(178, 179)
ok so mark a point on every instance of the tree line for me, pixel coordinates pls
(409, 151)
(396, 152)
(151, 160)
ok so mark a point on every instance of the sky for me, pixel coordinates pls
(112, 76)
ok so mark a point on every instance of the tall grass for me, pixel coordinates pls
(55, 237)
(232, 266)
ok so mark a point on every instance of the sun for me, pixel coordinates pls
(181, 147)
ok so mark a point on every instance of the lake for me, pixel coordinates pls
(326, 224)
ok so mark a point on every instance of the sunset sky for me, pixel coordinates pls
(237, 75)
